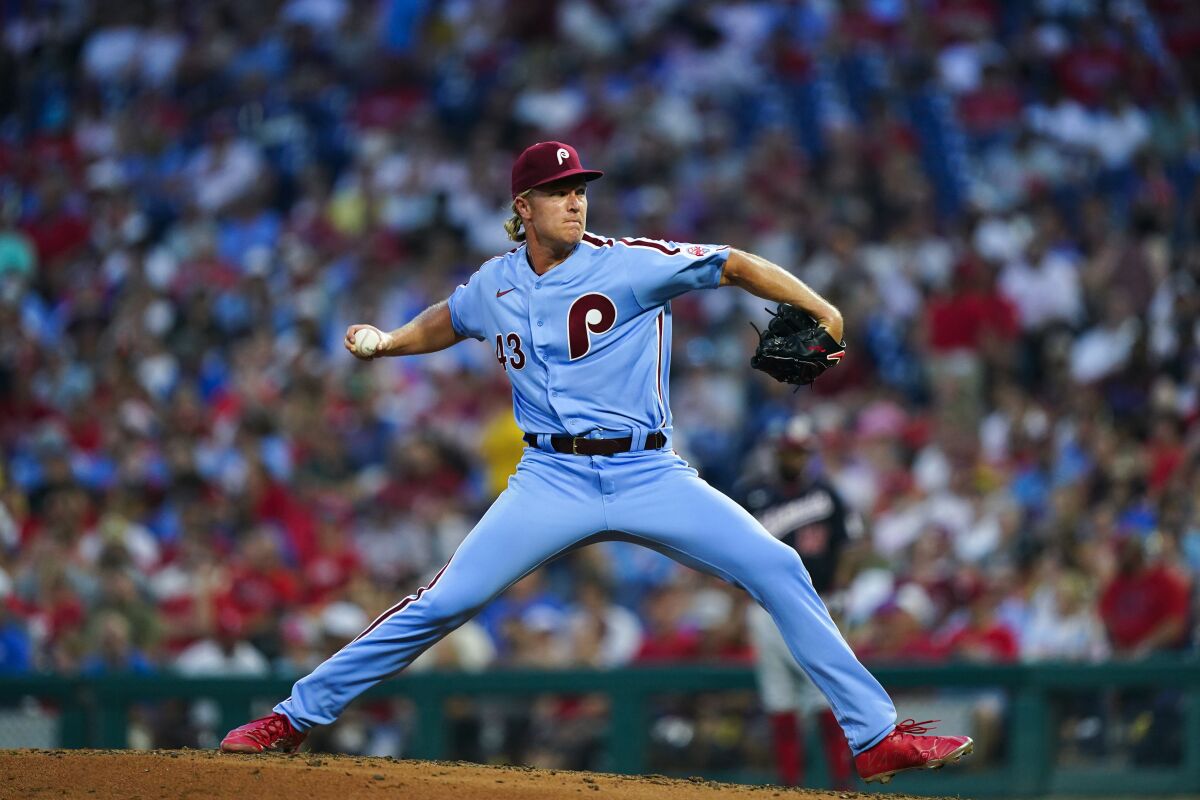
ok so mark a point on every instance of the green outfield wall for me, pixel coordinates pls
(93, 712)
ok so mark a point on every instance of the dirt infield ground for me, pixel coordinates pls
(163, 774)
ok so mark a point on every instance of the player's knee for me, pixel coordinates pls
(780, 574)
(450, 608)
(793, 567)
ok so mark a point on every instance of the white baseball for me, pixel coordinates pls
(367, 341)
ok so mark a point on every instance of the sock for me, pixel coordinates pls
(788, 741)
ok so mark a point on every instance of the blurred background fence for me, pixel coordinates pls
(1037, 702)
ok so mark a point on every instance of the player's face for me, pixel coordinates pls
(793, 463)
(558, 212)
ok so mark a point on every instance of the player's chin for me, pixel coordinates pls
(573, 232)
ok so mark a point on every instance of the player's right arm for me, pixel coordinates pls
(461, 316)
(428, 332)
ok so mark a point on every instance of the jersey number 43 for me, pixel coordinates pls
(517, 360)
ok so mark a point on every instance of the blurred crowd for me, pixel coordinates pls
(196, 199)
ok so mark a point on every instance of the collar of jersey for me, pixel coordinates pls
(523, 255)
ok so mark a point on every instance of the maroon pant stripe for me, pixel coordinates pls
(396, 609)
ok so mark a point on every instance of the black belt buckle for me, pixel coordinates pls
(575, 445)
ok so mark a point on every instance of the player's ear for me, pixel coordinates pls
(522, 207)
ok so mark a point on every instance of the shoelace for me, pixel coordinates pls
(911, 726)
(274, 729)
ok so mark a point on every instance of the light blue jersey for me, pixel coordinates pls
(587, 345)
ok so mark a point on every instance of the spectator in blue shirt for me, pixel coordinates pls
(113, 652)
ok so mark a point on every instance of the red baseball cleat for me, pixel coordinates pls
(269, 733)
(903, 749)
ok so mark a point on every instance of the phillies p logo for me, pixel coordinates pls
(588, 315)
(562, 155)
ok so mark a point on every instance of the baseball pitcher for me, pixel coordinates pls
(581, 324)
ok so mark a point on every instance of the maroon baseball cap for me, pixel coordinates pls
(545, 162)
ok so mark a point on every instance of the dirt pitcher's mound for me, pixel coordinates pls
(128, 775)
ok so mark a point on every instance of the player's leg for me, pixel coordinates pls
(550, 505)
(661, 501)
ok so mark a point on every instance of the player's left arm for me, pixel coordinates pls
(772, 282)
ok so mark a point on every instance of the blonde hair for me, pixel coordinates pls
(514, 225)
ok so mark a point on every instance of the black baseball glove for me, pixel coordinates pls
(794, 348)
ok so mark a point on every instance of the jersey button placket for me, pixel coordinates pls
(539, 334)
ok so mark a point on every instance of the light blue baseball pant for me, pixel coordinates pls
(557, 502)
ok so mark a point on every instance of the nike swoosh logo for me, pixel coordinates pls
(506, 291)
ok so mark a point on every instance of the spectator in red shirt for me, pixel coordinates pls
(334, 563)
(186, 589)
(993, 109)
(1145, 611)
(1145, 606)
(1089, 69)
(968, 328)
(983, 637)
(667, 636)
(57, 231)
(963, 19)
(63, 614)
(972, 314)
(858, 23)
(261, 587)
(277, 503)
(1165, 454)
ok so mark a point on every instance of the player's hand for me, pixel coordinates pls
(795, 348)
(381, 348)
(834, 327)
